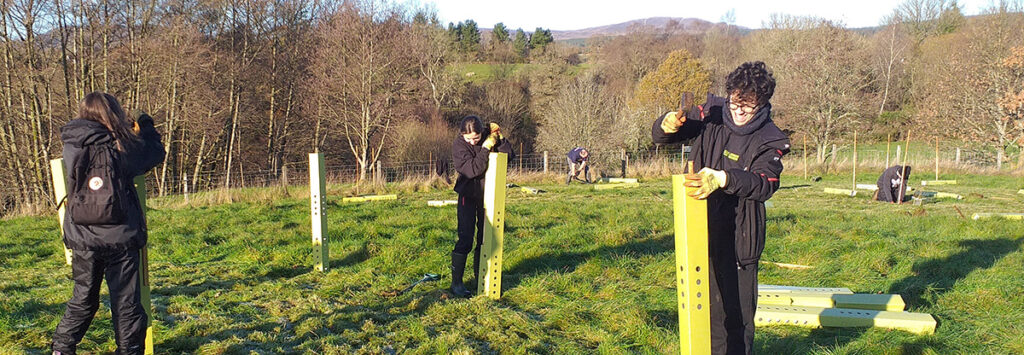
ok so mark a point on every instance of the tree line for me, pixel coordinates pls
(239, 86)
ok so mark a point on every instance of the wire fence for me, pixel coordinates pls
(668, 159)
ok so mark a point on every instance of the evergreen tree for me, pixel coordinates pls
(540, 38)
(499, 34)
(521, 43)
(469, 39)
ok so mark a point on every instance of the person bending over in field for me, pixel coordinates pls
(470, 153)
(578, 162)
(738, 150)
(104, 225)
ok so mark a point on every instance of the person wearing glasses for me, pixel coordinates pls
(738, 151)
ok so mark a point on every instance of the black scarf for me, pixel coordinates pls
(762, 116)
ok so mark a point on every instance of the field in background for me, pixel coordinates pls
(585, 272)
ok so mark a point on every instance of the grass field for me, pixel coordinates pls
(585, 272)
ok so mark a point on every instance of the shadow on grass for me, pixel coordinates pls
(563, 261)
(794, 187)
(356, 257)
(936, 276)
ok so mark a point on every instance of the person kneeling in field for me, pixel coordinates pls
(105, 228)
(470, 153)
(738, 150)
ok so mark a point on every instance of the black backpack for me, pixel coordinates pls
(96, 194)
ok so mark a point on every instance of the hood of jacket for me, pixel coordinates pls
(79, 132)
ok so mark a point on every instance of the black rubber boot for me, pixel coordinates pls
(458, 289)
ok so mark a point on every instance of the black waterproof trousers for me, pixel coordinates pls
(470, 212)
(121, 269)
(733, 302)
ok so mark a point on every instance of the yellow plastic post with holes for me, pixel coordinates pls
(491, 254)
(60, 191)
(691, 229)
(147, 305)
(318, 212)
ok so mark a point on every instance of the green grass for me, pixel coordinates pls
(585, 272)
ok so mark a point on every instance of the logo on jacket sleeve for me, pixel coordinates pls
(95, 183)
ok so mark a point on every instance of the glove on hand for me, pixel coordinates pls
(491, 141)
(709, 181)
(496, 131)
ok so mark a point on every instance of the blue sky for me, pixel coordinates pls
(579, 14)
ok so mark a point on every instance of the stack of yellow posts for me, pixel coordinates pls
(1021, 191)
(617, 183)
(836, 307)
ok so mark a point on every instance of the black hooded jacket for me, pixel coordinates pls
(135, 160)
(751, 157)
(471, 163)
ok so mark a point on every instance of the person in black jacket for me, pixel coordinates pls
(738, 150)
(470, 153)
(110, 250)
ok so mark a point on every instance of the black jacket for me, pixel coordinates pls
(471, 163)
(134, 161)
(736, 215)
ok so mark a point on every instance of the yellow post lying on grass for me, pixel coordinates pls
(877, 302)
(624, 185)
(846, 192)
(618, 180)
(147, 304)
(491, 254)
(318, 211)
(937, 182)
(691, 231)
(369, 198)
(60, 191)
(1013, 216)
(918, 323)
(442, 203)
(825, 290)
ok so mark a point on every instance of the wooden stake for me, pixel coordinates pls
(805, 157)
(936, 158)
(906, 157)
(888, 141)
(854, 160)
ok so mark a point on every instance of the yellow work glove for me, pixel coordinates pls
(672, 122)
(496, 131)
(490, 141)
(707, 181)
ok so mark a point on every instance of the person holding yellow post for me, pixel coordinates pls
(738, 151)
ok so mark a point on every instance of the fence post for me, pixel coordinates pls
(545, 162)
(692, 276)
(682, 156)
(899, 150)
(958, 157)
(999, 159)
(185, 187)
(625, 162)
(492, 254)
(318, 212)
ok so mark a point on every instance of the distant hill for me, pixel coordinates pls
(677, 24)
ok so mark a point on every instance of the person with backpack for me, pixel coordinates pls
(738, 151)
(470, 153)
(104, 225)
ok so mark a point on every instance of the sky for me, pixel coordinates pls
(580, 14)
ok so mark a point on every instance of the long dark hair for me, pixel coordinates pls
(104, 108)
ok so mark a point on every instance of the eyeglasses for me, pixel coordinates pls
(746, 108)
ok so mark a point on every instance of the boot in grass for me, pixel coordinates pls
(458, 289)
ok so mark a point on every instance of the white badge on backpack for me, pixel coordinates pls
(95, 183)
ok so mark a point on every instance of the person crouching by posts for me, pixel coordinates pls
(105, 228)
(470, 153)
(577, 159)
(738, 150)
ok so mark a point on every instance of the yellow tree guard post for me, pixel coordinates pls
(491, 253)
(846, 192)
(780, 288)
(624, 185)
(60, 191)
(918, 323)
(368, 198)
(147, 304)
(318, 211)
(937, 182)
(442, 203)
(1013, 216)
(691, 238)
(618, 180)
(877, 302)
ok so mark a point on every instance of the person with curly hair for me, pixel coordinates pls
(738, 151)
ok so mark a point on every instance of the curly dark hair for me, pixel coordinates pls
(751, 81)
